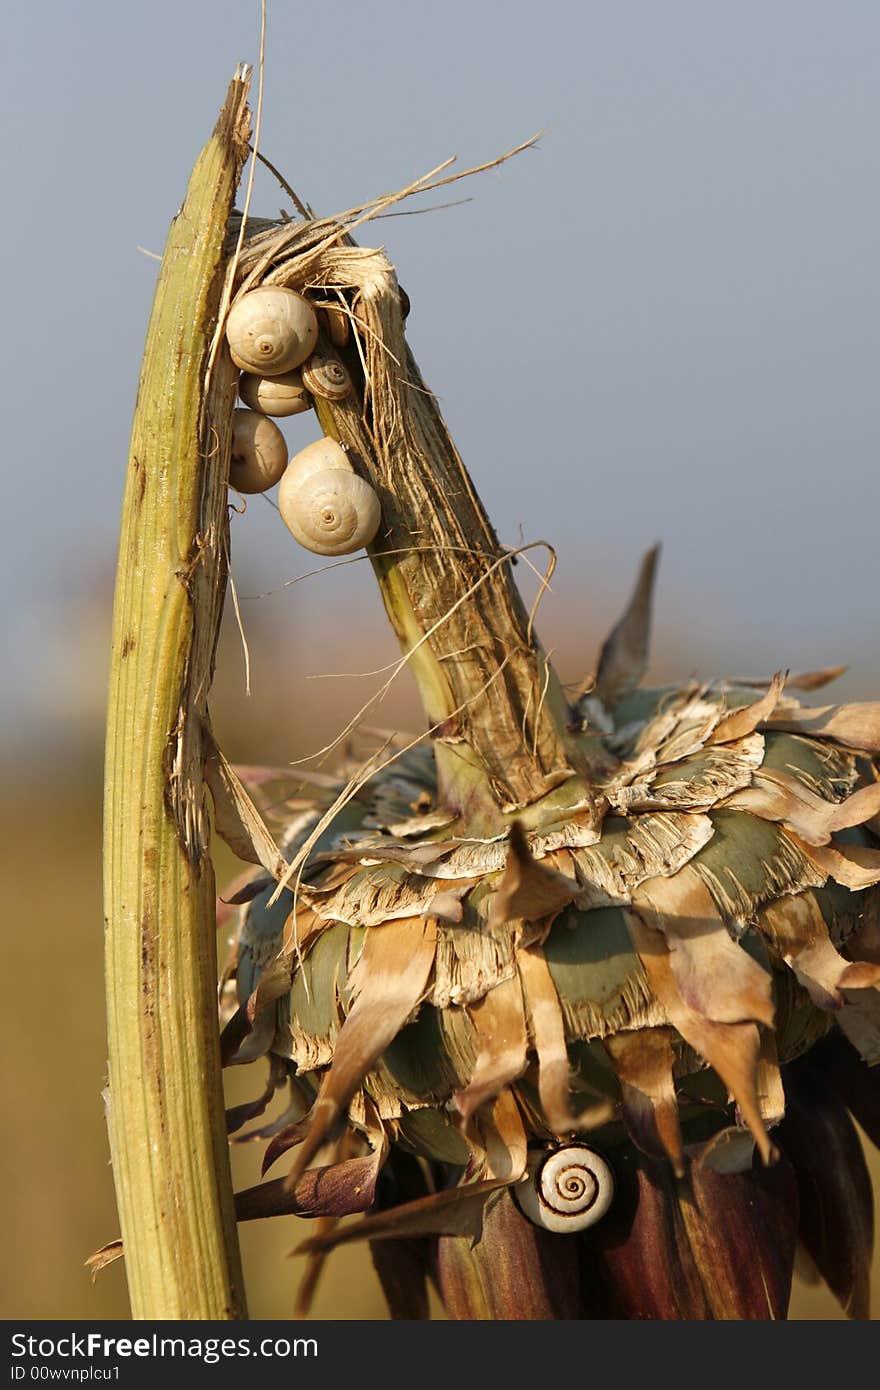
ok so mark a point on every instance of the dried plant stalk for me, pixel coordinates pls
(166, 1118)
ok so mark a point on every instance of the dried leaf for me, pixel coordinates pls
(750, 862)
(697, 782)
(796, 929)
(802, 680)
(548, 1037)
(836, 1206)
(631, 851)
(238, 1115)
(341, 1189)
(515, 1272)
(722, 1249)
(387, 984)
(500, 1026)
(107, 1255)
(854, 866)
(777, 796)
(528, 891)
(237, 818)
(643, 1061)
(733, 1049)
(504, 1139)
(741, 722)
(855, 726)
(712, 973)
(623, 659)
(455, 1211)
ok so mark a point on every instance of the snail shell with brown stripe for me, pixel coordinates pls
(566, 1189)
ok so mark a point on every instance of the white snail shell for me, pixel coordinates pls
(333, 512)
(275, 395)
(321, 456)
(271, 330)
(565, 1190)
(325, 376)
(259, 452)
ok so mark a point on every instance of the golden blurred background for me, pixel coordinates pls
(57, 1183)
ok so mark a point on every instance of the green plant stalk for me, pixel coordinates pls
(166, 1113)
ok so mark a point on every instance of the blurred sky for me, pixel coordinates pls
(663, 323)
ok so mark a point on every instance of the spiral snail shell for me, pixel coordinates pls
(325, 376)
(259, 452)
(321, 456)
(275, 395)
(324, 504)
(566, 1189)
(271, 330)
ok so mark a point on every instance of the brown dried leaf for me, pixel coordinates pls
(643, 1061)
(733, 1049)
(777, 796)
(741, 722)
(455, 1211)
(504, 1139)
(528, 890)
(548, 1037)
(623, 659)
(855, 726)
(500, 1025)
(854, 866)
(802, 680)
(237, 818)
(516, 1272)
(387, 984)
(797, 930)
(341, 1189)
(107, 1255)
(712, 973)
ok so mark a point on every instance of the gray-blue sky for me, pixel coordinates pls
(663, 323)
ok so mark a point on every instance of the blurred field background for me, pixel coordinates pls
(663, 324)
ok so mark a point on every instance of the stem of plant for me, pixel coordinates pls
(166, 1113)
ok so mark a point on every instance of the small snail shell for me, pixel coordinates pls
(259, 452)
(330, 513)
(271, 330)
(565, 1190)
(321, 456)
(326, 377)
(338, 328)
(275, 395)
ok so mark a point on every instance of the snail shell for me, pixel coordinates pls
(330, 513)
(322, 456)
(325, 376)
(565, 1190)
(271, 330)
(275, 395)
(259, 452)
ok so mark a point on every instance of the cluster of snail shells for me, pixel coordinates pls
(565, 1189)
(273, 335)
